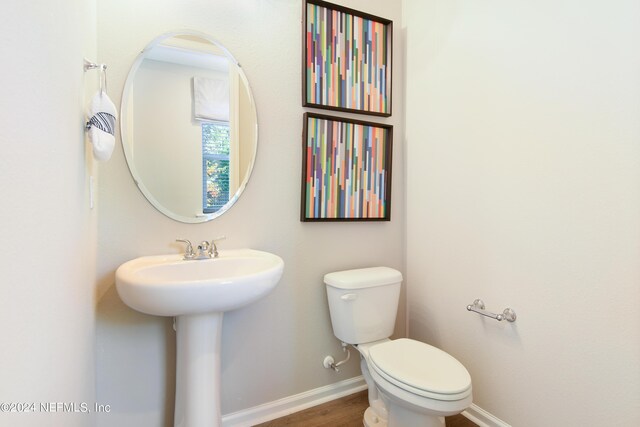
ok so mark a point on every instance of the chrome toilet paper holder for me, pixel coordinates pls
(478, 307)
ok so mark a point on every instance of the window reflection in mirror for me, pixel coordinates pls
(215, 166)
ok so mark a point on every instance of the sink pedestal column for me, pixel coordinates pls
(198, 370)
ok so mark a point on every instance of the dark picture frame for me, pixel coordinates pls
(346, 169)
(346, 59)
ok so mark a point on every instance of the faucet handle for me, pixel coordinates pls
(188, 253)
(213, 249)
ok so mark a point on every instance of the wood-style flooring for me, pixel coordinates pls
(345, 412)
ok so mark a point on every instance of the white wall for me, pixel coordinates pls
(523, 189)
(275, 347)
(47, 256)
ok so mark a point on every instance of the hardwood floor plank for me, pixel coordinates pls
(459, 421)
(344, 412)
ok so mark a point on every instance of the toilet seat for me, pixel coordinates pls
(420, 369)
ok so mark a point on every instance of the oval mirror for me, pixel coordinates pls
(189, 126)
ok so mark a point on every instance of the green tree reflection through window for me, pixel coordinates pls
(215, 166)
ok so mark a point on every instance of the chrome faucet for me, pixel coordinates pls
(205, 250)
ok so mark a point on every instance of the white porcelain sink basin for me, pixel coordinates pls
(197, 293)
(167, 285)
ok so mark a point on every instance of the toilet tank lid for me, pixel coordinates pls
(363, 278)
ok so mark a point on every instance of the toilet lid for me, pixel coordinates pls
(421, 367)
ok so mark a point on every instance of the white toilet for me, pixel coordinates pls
(411, 384)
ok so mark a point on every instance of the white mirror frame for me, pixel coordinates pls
(126, 144)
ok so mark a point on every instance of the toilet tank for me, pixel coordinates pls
(363, 303)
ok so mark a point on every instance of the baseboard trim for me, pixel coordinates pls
(299, 402)
(483, 418)
(289, 405)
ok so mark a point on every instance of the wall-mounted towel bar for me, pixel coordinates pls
(478, 307)
(88, 65)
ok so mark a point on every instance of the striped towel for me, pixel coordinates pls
(101, 125)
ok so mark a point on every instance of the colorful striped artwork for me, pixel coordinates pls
(346, 169)
(347, 60)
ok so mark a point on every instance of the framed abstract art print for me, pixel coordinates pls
(346, 169)
(346, 59)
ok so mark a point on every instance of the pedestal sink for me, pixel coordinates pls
(197, 293)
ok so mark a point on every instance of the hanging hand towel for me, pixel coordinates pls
(102, 125)
(211, 99)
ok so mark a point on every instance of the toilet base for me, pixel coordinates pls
(400, 416)
(372, 420)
